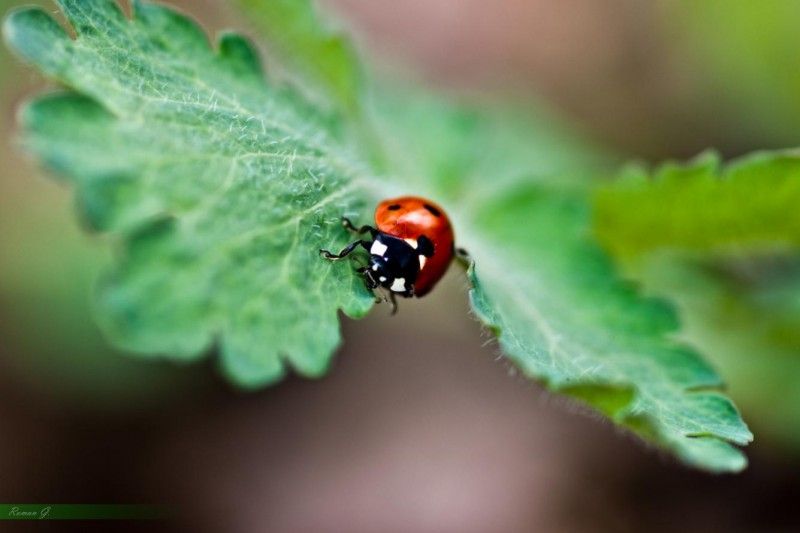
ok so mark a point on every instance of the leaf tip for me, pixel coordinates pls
(714, 455)
(238, 365)
(239, 52)
(172, 27)
(35, 36)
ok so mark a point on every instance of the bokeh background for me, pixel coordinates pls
(420, 426)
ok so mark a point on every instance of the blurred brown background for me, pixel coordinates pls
(419, 426)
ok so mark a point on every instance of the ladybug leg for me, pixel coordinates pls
(347, 250)
(363, 229)
(369, 279)
(377, 293)
(463, 256)
(393, 301)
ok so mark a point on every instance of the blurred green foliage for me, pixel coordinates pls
(747, 54)
(709, 240)
(721, 242)
(749, 205)
(311, 46)
(744, 314)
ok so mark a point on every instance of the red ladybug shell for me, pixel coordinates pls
(410, 217)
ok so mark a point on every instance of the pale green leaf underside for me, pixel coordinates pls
(222, 187)
(561, 314)
(564, 318)
(745, 54)
(749, 204)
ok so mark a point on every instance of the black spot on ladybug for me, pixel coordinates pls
(393, 207)
(425, 246)
(433, 211)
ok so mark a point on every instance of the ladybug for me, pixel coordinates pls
(410, 248)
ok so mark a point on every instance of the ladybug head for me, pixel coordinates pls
(394, 263)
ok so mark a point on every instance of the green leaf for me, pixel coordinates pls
(7, 65)
(564, 318)
(300, 38)
(561, 313)
(750, 204)
(681, 230)
(744, 314)
(745, 53)
(220, 187)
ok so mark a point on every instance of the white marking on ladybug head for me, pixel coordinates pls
(422, 261)
(412, 243)
(375, 267)
(378, 248)
(399, 285)
(382, 278)
(416, 218)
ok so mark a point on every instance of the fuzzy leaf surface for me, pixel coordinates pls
(219, 187)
